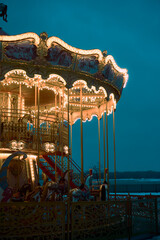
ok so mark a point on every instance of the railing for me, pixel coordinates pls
(32, 220)
(79, 220)
(63, 166)
(22, 125)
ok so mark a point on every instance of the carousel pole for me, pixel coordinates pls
(82, 180)
(60, 117)
(99, 150)
(68, 146)
(114, 150)
(38, 128)
(107, 149)
(104, 147)
(71, 135)
(62, 132)
(20, 99)
(35, 114)
(71, 138)
(56, 142)
(68, 204)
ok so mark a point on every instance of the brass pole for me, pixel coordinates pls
(56, 165)
(82, 180)
(104, 147)
(20, 96)
(62, 132)
(99, 150)
(71, 138)
(35, 115)
(56, 141)
(68, 145)
(107, 150)
(60, 118)
(56, 104)
(68, 202)
(114, 151)
(38, 128)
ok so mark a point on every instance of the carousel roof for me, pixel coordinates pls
(46, 56)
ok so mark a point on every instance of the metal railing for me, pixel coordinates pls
(22, 125)
(80, 220)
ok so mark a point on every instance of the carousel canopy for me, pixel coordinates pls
(43, 56)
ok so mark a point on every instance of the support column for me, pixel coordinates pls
(82, 180)
(20, 99)
(107, 149)
(68, 147)
(71, 138)
(56, 140)
(99, 144)
(104, 147)
(62, 132)
(38, 128)
(68, 202)
(35, 122)
(114, 151)
(55, 104)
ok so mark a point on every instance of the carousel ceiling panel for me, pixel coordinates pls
(42, 55)
(58, 56)
(21, 51)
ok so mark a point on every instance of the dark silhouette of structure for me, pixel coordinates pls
(3, 11)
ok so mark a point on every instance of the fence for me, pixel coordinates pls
(79, 220)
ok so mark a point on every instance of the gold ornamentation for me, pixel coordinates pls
(42, 49)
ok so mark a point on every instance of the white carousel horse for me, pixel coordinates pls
(83, 192)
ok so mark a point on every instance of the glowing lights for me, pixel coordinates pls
(14, 145)
(102, 58)
(66, 150)
(20, 145)
(32, 169)
(35, 81)
(77, 84)
(120, 70)
(24, 36)
(49, 147)
(73, 49)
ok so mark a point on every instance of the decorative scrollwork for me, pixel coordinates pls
(42, 49)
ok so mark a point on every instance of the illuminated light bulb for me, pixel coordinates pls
(13, 144)
(20, 145)
(66, 149)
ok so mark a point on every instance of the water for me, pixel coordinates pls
(133, 185)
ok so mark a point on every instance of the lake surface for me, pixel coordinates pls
(130, 185)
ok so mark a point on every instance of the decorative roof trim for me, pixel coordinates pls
(73, 49)
(120, 70)
(19, 37)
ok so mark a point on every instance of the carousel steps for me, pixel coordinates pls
(48, 170)
(62, 168)
(76, 170)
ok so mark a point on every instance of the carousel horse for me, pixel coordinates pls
(35, 195)
(3, 11)
(7, 194)
(56, 190)
(83, 192)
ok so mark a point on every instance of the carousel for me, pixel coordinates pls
(46, 86)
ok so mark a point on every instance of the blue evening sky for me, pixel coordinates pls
(128, 30)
